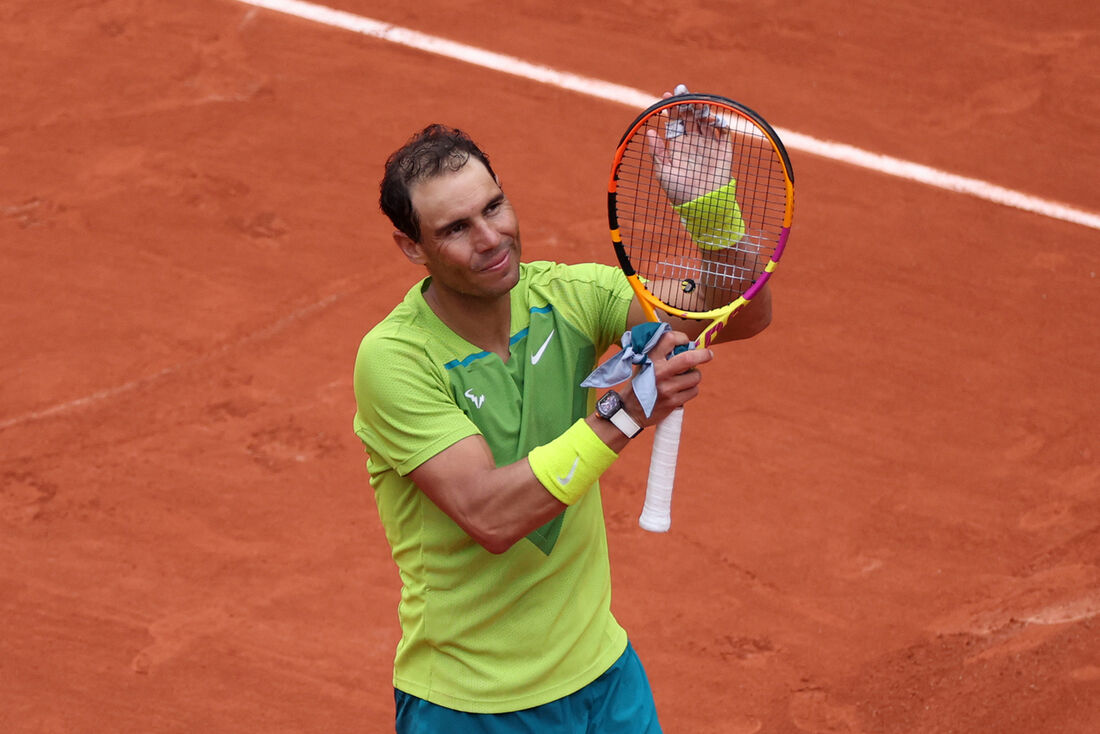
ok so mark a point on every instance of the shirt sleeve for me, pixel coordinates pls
(617, 296)
(598, 299)
(405, 412)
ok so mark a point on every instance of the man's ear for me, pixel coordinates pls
(412, 249)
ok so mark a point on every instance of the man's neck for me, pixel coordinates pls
(485, 323)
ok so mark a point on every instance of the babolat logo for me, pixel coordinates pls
(477, 400)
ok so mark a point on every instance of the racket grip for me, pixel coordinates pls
(656, 514)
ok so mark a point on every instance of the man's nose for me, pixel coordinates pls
(486, 236)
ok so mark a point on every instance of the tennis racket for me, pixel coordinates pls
(699, 203)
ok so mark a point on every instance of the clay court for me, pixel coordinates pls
(887, 517)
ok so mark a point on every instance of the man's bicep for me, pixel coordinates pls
(443, 476)
(636, 314)
(496, 506)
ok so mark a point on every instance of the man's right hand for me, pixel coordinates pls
(676, 377)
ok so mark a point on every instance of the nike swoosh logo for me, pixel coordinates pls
(569, 477)
(538, 355)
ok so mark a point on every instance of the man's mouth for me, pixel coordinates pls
(497, 260)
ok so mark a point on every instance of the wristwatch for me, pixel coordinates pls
(610, 407)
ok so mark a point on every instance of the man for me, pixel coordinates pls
(484, 453)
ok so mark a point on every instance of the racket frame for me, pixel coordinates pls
(720, 316)
(656, 512)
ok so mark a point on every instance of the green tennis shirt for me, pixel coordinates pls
(481, 632)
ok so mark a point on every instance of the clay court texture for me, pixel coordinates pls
(887, 517)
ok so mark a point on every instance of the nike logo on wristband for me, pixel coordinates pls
(569, 477)
(538, 355)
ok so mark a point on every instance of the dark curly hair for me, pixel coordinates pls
(428, 153)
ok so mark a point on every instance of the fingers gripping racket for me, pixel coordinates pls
(699, 203)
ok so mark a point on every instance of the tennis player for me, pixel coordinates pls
(484, 454)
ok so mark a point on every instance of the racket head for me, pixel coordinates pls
(729, 242)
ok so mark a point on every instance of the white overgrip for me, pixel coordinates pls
(656, 514)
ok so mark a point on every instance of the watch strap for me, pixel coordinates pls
(625, 423)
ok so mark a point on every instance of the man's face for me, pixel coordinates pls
(469, 234)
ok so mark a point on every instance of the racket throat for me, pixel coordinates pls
(709, 334)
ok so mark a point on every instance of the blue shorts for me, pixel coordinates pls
(618, 702)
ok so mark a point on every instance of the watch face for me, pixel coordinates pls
(608, 404)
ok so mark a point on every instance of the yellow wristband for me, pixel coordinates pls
(569, 465)
(714, 219)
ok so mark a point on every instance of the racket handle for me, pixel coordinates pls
(657, 511)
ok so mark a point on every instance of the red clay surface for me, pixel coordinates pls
(898, 530)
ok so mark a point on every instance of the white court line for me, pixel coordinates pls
(639, 100)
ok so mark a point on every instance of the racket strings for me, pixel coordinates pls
(725, 276)
(727, 246)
